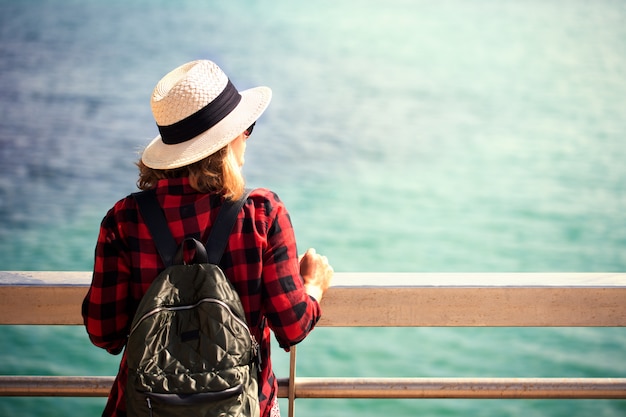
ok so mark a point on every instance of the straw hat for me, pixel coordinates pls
(198, 112)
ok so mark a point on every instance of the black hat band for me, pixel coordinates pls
(202, 120)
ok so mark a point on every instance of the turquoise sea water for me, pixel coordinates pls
(404, 136)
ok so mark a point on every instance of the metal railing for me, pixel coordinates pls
(375, 300)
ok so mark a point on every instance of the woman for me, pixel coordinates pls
(195, 164)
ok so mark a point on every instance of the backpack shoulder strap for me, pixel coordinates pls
(157, 224)
(166, 244)
(223, 226)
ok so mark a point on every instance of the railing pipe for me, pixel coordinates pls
(484, 388)
(396, 388)
(55, 386)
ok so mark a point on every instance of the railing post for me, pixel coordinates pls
(292, 381)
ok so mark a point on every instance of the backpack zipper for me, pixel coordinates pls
(255, 344)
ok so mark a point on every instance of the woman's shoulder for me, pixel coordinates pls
(266, 199)
(263, 193)
(126, 203)
(124, 209)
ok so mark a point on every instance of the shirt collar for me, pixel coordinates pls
(176, 186)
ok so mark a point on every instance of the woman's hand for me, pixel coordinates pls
(316, 272)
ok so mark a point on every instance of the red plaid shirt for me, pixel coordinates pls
(261, 260)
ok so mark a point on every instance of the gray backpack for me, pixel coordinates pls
(190, 351)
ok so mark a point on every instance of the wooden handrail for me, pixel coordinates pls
(382, 299)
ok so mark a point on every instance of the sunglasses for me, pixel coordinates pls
(248, 131)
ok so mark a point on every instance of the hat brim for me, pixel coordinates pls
(159, 155)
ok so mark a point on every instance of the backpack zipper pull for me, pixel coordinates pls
(149, 405)
(256, 350)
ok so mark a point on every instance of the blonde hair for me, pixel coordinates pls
(217, 173)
